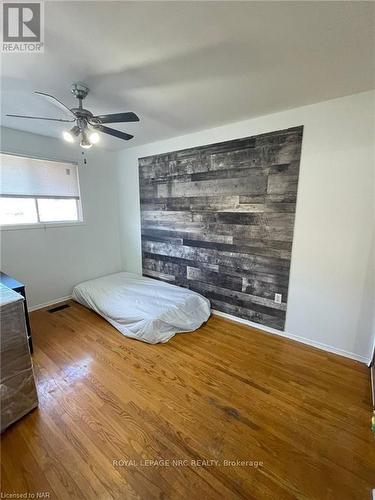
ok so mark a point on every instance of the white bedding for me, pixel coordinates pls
(143, 308)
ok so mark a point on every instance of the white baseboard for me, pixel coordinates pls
(50, 303)
(291, 336)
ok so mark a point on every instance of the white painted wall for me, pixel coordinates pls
(51, 261)
(331, 296)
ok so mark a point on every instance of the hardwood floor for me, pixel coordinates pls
(225, 392)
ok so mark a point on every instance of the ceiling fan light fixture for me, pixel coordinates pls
(75, 130)
(85, 143)
(68, 136)
(94, 137)
(87, 125)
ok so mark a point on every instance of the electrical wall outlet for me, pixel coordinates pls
(278, 298)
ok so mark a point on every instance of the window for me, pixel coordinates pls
(34, 191)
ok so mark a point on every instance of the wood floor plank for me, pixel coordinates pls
(225, 392)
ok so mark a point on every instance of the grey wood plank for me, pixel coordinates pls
(191, 227)
(181, 263)
(282, 183)
(170, 278)
(266, 233)
(244, 299)
(163, 239)
(160, 234)
(274, 279)
(270, 219)
(214, 278)
(264, 289)
(167, 215)
(194, 203)
(262, 208)
(255, 183)
(240, 248)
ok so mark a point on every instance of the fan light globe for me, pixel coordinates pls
(94, 137)
(85, 143)
(68, 136)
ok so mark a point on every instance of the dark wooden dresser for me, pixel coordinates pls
(19, 287)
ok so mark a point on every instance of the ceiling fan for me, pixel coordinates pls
(86, 125)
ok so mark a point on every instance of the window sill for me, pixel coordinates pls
(41, 225)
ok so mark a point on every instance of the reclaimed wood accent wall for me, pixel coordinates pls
(219, 220)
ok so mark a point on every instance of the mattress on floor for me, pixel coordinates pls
(143, 308)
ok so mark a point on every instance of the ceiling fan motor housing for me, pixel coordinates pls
(79, 90)
(84, 116)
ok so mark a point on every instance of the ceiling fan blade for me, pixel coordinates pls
(42, 118)
(56, 102)
(112, 131)
(118, 117)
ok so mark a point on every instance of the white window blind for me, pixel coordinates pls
(38, 192)
(31, 177)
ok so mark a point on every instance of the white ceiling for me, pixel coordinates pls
(187, 66)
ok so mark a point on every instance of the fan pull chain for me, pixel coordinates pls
(84, 160)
